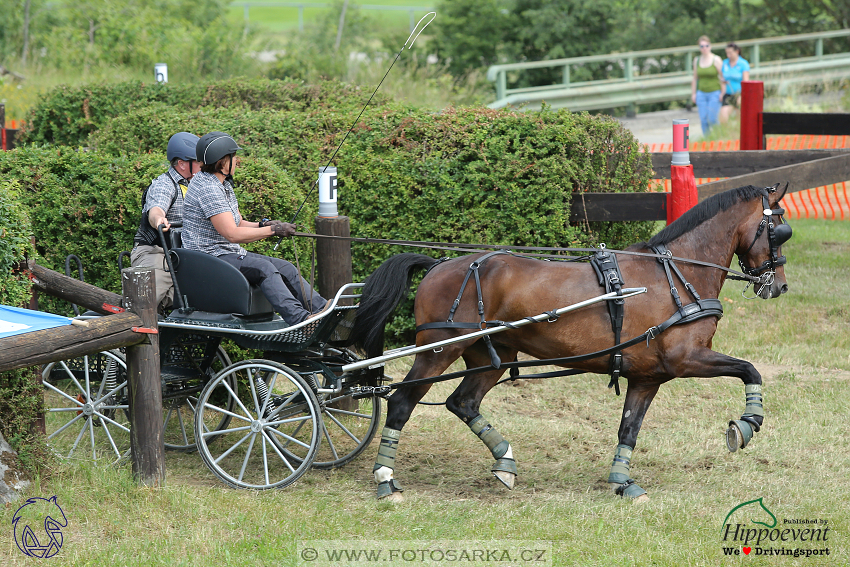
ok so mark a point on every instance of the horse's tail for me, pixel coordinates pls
(384, 290)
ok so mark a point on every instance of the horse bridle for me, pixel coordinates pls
(777, 235)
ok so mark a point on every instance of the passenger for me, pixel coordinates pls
(212, 224)
(162, 203)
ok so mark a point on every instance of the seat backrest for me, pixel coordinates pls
(211, 284)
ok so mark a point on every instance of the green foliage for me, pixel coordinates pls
(67, 115)
(20, 395)
(470, 32)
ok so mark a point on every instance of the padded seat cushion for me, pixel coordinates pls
(213, 285)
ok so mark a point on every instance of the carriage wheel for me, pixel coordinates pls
(267, 429)
(178, 413)
(348, 427)
(86, 407)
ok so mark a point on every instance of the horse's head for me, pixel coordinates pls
(761, 239)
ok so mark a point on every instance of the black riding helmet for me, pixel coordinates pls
(182, 145)
(214, 146)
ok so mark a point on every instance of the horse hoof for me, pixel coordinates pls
(641, 499)
(506, 478)
(738, 435)
(393, 498)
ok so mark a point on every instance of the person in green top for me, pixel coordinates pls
(707, 87)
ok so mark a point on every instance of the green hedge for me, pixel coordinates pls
(89, 204)
(67, 115)
(20, 395)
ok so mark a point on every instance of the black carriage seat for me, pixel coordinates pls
(211, 284)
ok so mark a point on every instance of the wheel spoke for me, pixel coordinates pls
(330, 443)
(290, 420)
(91, 434)
(88, 384)
(113, 422)
(168, 416)
(208, 434)
(279, 454)
(223, 455)
(271, 392)
(224, 411)
(74, 378)
(247, 456)
(346, 412)
(189, 401)
(64, 395)
(111, 442)
(265, 459)
(344, 428)
(251, 378)
(292, 439)
(80, 436)
(238, 401)
(182, 426)
(66, 426)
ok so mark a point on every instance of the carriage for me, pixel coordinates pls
(311, 401)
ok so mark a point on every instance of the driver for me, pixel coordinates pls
(212, 224)
(162, 203)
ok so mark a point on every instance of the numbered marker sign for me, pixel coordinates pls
(160, 71)
(327, 192)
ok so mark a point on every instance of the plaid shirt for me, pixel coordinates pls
(207, 197)
(162, 193)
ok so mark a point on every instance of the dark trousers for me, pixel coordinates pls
(280, 282)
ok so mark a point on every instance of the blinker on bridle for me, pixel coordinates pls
(777, 235)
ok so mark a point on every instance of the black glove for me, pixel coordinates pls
(282, 229)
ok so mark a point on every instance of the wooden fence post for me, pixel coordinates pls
(3, 126)
(145, 390)
(333, 257)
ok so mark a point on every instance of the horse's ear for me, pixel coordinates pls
(784, 190)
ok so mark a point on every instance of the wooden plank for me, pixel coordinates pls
(735, 163)
(820, 124)
(63, 343)
(144, 388)
(801, 176)
(618, 207)
(75, 291)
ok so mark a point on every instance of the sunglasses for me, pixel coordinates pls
(704, 45)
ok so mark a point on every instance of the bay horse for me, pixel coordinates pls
(513, 287)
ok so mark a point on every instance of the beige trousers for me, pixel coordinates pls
(153, 257)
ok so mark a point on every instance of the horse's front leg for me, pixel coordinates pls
(707, 364)
(639, 396)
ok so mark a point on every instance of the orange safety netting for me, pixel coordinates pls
(829, 202)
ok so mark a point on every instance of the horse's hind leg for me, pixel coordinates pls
(399, 407)
(639, 396)
(465, 402)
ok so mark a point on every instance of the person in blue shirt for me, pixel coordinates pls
(735, 70)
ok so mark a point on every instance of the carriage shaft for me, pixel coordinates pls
(411, 350)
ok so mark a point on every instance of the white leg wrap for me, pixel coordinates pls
(510, 453)
(383, 474)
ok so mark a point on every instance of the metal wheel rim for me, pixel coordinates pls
(247, 454)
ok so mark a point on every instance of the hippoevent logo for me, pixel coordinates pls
(38, 526)
(750, 528)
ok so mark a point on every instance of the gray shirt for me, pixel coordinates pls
(207, 197)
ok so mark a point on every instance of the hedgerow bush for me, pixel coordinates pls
(67, 115)
(89, 204)
(20, 395)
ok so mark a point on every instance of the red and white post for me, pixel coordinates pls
(684, 188)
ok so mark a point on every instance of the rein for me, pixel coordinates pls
(465, 247)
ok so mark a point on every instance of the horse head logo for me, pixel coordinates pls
(39, 512)
(756, 508)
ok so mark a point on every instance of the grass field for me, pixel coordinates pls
(280, 18)
(563, 432)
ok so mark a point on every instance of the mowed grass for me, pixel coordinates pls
(283, 18)
(563, 433)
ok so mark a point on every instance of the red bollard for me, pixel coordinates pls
(684, 188)
(752, 106)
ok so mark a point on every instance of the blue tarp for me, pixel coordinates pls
(16, 321)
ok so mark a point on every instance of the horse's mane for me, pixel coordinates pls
(704, 211)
